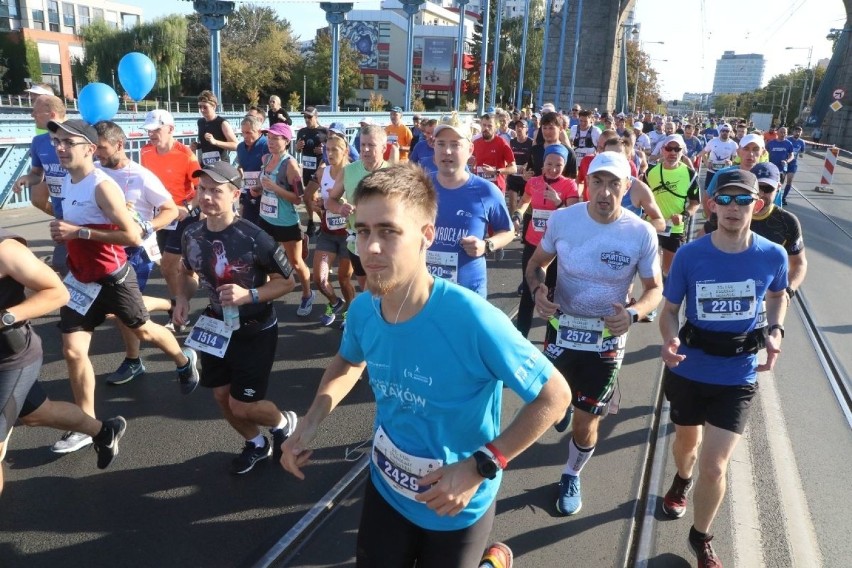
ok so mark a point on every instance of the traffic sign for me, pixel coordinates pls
(835, 106)
(838, 94)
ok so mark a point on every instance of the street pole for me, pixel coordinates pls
(557, 98)
(520, 99)
(335, 15)
(483, 56)
(411, 7)
(576, 51)
(459, 55)
(547, 10)
(497, 31)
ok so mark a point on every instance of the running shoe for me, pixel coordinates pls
(703, 549)
(570, 502)
(497, 555)
(106, 442)
(331, 312)
(563, 424)
(343, 320)
(306, 305)
(126, 372)
(250, 455)
(652, 315)
(188, 375)
(71, 442)
(675, 501)
(280, 435)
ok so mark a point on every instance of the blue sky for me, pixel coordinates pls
(694, 32)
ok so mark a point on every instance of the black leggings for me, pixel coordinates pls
(387, 539)
(527, 305)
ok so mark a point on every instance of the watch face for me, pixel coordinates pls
(8, 319)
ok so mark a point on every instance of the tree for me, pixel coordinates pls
(294, 103)
(639, 66)
(195, 74)
(316, 66)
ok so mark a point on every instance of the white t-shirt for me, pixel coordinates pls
(597, 262)
(141, 188)
(720, 150)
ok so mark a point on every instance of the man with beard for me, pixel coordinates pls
(152, 208)
(584, 135)
(437, 451)
(494, 157)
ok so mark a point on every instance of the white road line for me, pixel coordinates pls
(801, 534)
(748, 549)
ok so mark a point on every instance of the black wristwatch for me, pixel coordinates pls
(791, 293)
(489, 246)
(777, 326)
(486, 466)
(7, 318)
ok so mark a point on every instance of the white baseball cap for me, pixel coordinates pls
(612, 162)
(157, 118)
(753, 138)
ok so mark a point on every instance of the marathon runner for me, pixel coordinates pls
(250, 153)
(216, 138)
(310, 142)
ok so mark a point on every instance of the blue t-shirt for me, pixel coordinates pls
(724, 292)
(798, 148)
(43, 155)
(439, 386)
(424, 156)
(250, 160)
(693, 146)
(711, 132)
(470, 210)
(779, 150)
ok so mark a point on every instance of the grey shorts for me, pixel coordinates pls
(334, 244)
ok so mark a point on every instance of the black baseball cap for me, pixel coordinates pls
(743, 179)
(221, 172)
(76, 127)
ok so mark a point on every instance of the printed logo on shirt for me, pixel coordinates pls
(522, 372)
(417, 375)
(553, 351)
(249, 392)
(615, 259)
(408, 399)
(449, 235)
(463, 213)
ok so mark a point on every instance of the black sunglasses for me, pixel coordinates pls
(741, 200)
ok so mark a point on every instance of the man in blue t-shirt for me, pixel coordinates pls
(780, 151)
(423, 153)
(46, 173)
(470, 209)
(438, 450)
(250, 152)
(793, 164)
(711, 371)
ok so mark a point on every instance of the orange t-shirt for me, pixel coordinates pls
(174, 169)
(403, 138)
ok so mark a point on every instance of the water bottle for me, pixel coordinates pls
(231, 316)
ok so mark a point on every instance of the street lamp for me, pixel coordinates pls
(636, 91)
(812, 74)
(633, 30)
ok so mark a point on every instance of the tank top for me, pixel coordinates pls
(627, 202)
(12, 294)
(274, 209)
(209, 152)
(329, 219)
(583, 144)
(89, 260)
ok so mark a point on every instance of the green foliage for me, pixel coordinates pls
(649, 91)
(195, 73)
(294, 103)
(20, 61)
(476, 52)
(512, 34)
(317, 67)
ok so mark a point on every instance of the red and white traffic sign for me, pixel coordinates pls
(838, 94)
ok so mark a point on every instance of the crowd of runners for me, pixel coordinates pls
(404, 221)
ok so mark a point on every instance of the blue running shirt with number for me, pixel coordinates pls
(469, 210)
(701, 263)
(439, 385)
(43, 156)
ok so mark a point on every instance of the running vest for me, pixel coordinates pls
(209, 152)
(89, 260)
(583, 145)
(327, 218)
(11, 294)
(274, 209)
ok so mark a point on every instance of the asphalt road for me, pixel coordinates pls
(168, 500)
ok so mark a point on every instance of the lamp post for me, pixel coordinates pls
(632, 29)
(459, 55)
(547, 8)
(636, 91)
(811, 73)
(411, 7)
(520, 90)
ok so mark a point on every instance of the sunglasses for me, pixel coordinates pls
(672, 148)
(741, 200)
(766, 188)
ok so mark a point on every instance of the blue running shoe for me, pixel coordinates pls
(570, 502)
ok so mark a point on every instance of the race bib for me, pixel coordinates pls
(443, 264)
(54, 185)
(152, 248)
(583, 152)
(486, 174)
(82, 295)
(580, 334)
(210, 335)
(251, 180)
(335, 221)
(667, 232)
(269, 205)
(309, 162)
(717, 165)
(727, 301)
(393, 138)
(539, 219)
(761, 316)
(401, 470)
(208, 158)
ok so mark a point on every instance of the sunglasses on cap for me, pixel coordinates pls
(741, 200)
(672, 148)
(766, 188)
(725, 130)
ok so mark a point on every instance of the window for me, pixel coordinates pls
(83, 15)
(68, 14)
(97, 14)
(384, 61)
(38, 19)
(53, 11)
(368, 82)
(383, 83)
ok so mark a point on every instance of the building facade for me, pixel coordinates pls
(53, 25)
(738, 73)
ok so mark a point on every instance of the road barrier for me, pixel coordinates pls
(828, 167)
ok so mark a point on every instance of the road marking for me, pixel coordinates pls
(748, 548)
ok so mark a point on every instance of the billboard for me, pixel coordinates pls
(436, 67)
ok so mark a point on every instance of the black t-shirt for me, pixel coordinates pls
(314, 139)
(242, 254)
(208, 150)
(780, 226)
(280, 115)
(11, 294)
(536, 161)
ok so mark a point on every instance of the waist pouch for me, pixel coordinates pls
(722, 344)
(249, 325)
(14, 339)
(117, 277)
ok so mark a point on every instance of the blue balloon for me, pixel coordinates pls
(137, 75)
(97, 102)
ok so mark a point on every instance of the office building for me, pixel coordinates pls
(738, 73)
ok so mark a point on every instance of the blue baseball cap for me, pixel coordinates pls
(768, 173)
(337, 128)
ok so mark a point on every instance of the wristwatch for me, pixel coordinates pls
(486, 466)
(7, 318)
(634, 315)
(84, 233)
(791, 293)
(489, 245)
(777, 326)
